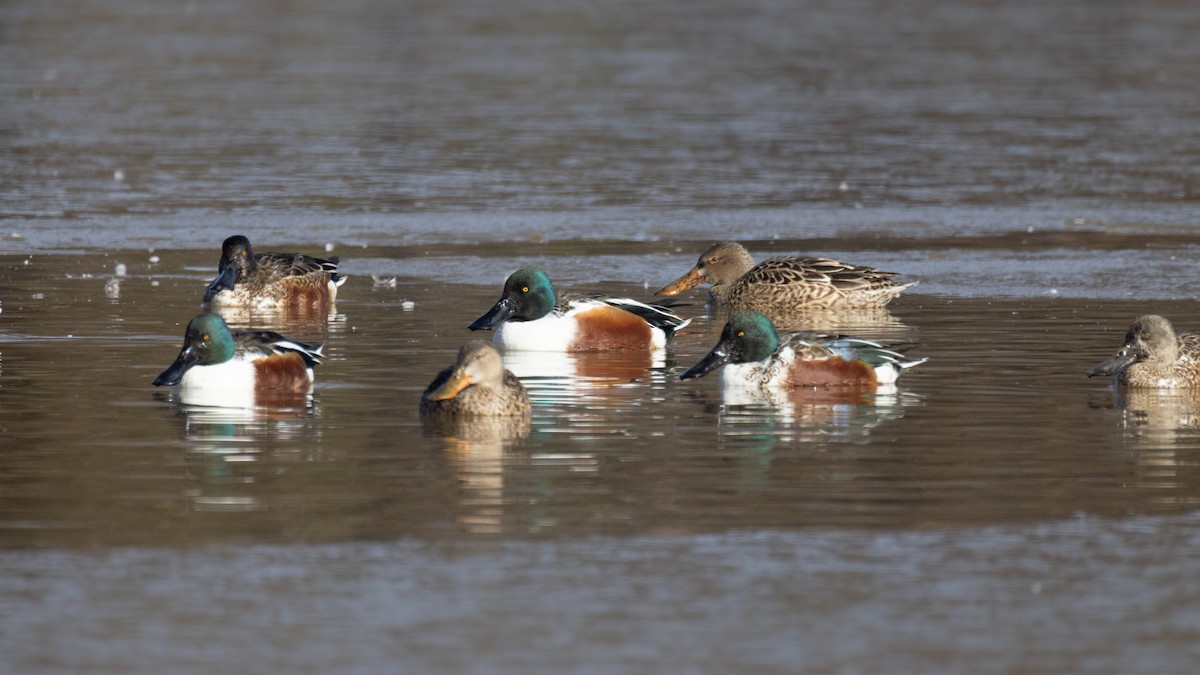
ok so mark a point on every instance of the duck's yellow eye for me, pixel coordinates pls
(204, 337)
(1146, 335)
(741, 333)
(524, 289)
(243, 254)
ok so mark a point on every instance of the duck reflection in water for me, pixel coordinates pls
(475, 447)
(1161, 413)
(233, 456)
(288, 321)
(758, 420)
(1161, 433)
(1157, 376)
(597, 378)
(877, 320)
(477, 409)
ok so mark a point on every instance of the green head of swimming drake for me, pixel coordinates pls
(747, 337)
(528, 295)
(237, 262)
(207, 341)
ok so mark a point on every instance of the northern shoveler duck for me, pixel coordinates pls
(785, 283)
(238, 369)
(528, 316)
(754, 355)
(1154, 356)
(477, 384)
(271, 280)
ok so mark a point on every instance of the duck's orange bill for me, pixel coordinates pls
(690, 280)
(451, 387)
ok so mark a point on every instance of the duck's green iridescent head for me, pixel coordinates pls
(747, 337)
(528, 295)
(206, 342)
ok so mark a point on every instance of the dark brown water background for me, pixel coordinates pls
(1033, 165)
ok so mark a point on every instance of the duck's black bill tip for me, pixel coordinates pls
(498, 314)
(715, 359)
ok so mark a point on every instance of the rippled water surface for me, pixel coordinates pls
(1033, 166)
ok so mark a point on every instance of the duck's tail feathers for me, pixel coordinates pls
(655, 314)
(270, 342)
(873, 353)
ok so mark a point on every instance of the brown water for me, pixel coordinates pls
(1033, 166)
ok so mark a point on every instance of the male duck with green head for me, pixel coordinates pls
(217, 366)
(529, 316)
(754, 355)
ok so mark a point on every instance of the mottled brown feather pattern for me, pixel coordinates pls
(813, 282)
(291, 279)
(510, 398)
(1189, 345)
(1170, 359)
(307, 291)
(787, 282)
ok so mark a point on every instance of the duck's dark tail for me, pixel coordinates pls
(654, 313)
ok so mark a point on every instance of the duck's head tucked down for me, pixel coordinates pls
(528, 296)
(206, 342)
(1150, 340)
(477, 384)
(747, 337)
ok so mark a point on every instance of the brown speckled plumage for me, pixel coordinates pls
(265, 280)
(1154, 356)
(780, 284)
(477, 384)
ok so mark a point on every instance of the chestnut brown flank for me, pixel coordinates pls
(608, 328)
(832, 372)
(306, 293)
(281, 372)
